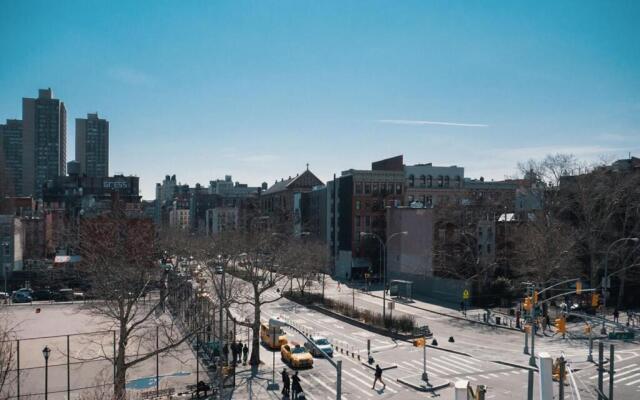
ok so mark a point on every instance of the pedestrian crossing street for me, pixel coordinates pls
(628, 375)
(453, 365)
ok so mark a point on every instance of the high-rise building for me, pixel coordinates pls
(92, 145)
(11, 156)
(44, 141)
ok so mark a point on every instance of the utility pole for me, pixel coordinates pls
(600, 370)
(611, 371)
(561, 379)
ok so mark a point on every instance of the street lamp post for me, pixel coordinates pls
(45, 352)
(384, 267)
(605, 278)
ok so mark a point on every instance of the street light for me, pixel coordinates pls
(605, 278)
(45, 352)
(384, 267)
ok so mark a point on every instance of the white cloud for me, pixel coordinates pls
(130, 76)
(422, 122)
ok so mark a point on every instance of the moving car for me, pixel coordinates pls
(297, 356)
(21, 297)
(320, 342)
(219, 269)
(269, 341)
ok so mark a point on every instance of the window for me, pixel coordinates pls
(358, 222)
(358, 187)
(429, 181)
(479, 249)
(440, 181)
(367, 188)
(412, 180)
(458, 180)
(389, 188)
(357, 204)
(480, 232)
(410, 199)
(429, 200)
(398, 188)
(488, 249)
(423, 180)
(446, 181)
(375, 188)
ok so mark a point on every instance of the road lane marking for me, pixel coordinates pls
(359, 380)
(618, 380)
(367, 377)
(633, 382)
(460, 364)
(617, 371)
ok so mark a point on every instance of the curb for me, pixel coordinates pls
(423, 388)
(453, 316)
(514, 365)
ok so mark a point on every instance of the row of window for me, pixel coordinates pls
(427, 181)
(378, 188)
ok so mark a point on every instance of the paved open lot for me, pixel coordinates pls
(88, 366)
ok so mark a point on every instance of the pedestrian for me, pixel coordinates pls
(296, 389)
(234, 352)
(245, 354)
(339, 286)
(378, 377)
(225, 352)
(286, 382)
(239, 352)
(548, 322)
(628, 317)
(616, 315)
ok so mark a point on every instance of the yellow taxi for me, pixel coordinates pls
(296, 356)
(272, 342)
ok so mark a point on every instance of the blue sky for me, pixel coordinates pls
(258, 89)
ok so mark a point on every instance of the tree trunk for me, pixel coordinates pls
(120, 379)
(623, 278)
(255, 345)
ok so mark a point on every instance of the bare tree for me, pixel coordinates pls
(7, 350)
(256, 262)
(119, 255)
(309, 259)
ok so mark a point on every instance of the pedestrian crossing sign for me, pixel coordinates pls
(465, 295)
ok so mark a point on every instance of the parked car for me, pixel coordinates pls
(320, 342)
(65, 294)
(41, 295)
(21, 297)
(297, 356)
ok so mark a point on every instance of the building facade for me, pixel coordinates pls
(92, 145)
(11, 149)
(44, 141)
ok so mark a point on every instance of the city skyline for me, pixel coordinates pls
(265, 89)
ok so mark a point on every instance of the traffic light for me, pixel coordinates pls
(595, 299)
(578, 287)
(561, 325)
(535, 297)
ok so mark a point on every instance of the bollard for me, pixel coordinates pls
(451, 339)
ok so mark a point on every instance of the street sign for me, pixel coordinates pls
(465, 295)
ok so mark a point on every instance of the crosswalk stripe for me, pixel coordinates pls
(515, 372)
(494, 375)
(470, 378)
(617, 374)
(438, 368)
(454, 368)
(483, 376)
(460, 364)
(324, 385)
(359, 380)
(504, 373)
(633, 382)
(466, 359)
(618, 380)
(617, 371)
(355, 371)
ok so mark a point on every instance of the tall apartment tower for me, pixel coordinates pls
(92, 145)
(44, 141)
(11, 157)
